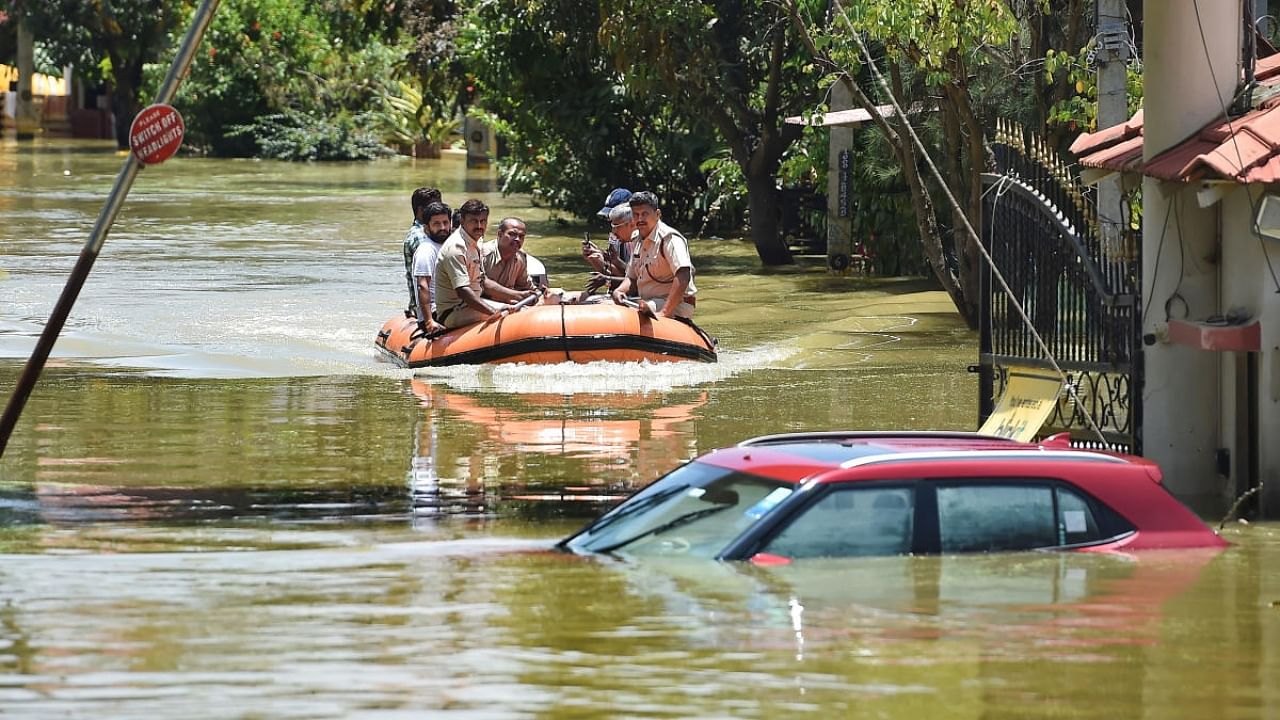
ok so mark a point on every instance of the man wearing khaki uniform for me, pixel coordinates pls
(460, 281)
(660, 267)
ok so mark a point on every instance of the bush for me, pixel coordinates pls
(295, 135)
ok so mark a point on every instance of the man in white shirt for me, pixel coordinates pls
(437, 225)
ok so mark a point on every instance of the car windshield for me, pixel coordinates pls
(695, 510)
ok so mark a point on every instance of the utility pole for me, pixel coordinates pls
(1112, 57)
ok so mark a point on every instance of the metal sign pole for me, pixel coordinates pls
(124, 181)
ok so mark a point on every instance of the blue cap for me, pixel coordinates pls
(616, 198)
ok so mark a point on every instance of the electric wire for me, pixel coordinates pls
(1155, 271)
(1044, 348)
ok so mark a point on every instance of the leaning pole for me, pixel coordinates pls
(124, 181)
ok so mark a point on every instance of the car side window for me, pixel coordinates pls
(849, 522)
(1077, 522)
(993, 518)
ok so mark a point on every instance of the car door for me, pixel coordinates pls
(846, 520)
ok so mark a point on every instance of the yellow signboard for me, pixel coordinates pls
(1029, 398)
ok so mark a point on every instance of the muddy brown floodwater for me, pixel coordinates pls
(220, 503)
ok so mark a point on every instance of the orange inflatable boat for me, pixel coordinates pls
(549, 334)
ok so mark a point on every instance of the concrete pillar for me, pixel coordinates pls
(1113, 57)
(25, 110)
(1184, 77)
(480, 142)
(839, 190)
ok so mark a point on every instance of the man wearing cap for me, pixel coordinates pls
(613, 260)
(660, 267)
(460, 283)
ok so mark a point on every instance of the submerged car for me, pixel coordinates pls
(776, 498)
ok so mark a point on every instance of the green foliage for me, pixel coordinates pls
(265, 58)
(407, 118)
(1079, 111)
(571, 128)
(119, 38)
(295, 135)
(733, 64)
(883, 218)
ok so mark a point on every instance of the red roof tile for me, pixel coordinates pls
(1244, 149)
(1107, 136)
(1264, 173)
(1170, 164)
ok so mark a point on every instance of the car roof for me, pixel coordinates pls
(797, 456)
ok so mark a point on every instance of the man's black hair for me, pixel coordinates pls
(434, 209)
(423, 197)
(644, 197)
(474, 207)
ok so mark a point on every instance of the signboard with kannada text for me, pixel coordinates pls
(156, 134)
(1029, 398)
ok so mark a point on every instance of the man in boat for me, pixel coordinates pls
(611, 265)
(660, 267)
(437, 219)
(463, 294)
(504, 260)
(421, 198)
(613, 259)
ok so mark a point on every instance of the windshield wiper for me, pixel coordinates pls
(671, 524)
(636, 507)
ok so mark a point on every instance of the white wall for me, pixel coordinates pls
(1247, 284)
(1190, 68)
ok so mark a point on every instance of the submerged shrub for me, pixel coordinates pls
(295, 135)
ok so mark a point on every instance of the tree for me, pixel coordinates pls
(735, 63)
(287, 80)
(939, 42)
(572, 130)
(121, 36)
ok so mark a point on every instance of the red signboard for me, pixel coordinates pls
(156, 134)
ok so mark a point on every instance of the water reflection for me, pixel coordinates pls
(1030, 635)
(500, 447)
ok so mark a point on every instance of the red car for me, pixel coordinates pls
(839, 494)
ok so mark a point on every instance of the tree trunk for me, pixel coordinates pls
(763, 204)
(968, 251)
(922, 204)
(124, 106)
(126, 78)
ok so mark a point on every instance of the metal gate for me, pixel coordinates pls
(1040, 227)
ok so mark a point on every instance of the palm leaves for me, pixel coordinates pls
(407, 119)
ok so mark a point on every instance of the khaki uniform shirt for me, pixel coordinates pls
(656, 259)
(459, 266)
(512, 273)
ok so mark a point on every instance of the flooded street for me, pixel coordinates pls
(221, 503)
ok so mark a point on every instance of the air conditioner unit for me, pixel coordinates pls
(1268, 220)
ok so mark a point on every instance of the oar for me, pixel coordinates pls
(643, 308)
(522, 304)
